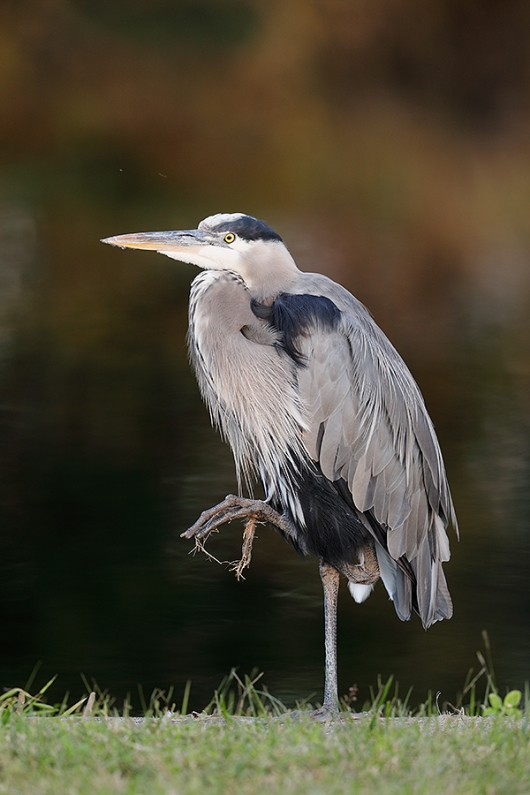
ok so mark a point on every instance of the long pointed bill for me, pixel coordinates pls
(163, 242)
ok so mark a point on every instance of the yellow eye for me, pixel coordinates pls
(229, 237)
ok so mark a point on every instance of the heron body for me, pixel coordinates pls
(317, 405)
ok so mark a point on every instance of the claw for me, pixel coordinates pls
(253, 511)
(199, 547)
(246, 550)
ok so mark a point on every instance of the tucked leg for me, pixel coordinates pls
(364, 573)
(330, 583)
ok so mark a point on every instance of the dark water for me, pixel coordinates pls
(108, 455)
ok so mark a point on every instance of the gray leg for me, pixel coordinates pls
(330, 582)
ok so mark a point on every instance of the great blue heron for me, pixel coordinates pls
(318, 405)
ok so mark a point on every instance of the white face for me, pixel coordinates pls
(262, 264)
(216, 255)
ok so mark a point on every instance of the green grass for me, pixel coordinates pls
(52, 756)
(245, 741)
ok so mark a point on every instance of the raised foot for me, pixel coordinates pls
(233, 507)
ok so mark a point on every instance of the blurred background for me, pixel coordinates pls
(387, 141)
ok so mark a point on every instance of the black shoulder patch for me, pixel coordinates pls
(248, 228)
(333, 530)
(292, 314)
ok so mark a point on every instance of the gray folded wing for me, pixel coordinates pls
(368, 426)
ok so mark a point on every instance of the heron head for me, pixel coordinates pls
(226, 241)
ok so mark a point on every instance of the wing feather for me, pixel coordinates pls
(367, 424)
(331, 442)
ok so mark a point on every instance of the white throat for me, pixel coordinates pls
(266, 267)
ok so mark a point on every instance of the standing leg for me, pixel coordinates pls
(330, 582)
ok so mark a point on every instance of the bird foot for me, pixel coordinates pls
(246, 550)
(321, 715)
(232, 507)
(325, 714)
